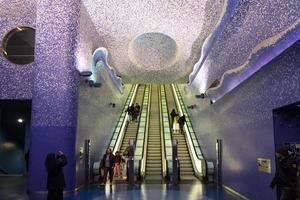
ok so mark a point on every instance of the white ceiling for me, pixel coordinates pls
(187, 22)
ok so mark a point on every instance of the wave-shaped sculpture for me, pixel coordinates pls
(101, 55)
(261, 54)
(227, 11)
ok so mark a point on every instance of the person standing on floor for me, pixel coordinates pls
(108, 162)
(286, 175)
(118, 160)
(181, 122)
(55, 180)
(172, 115)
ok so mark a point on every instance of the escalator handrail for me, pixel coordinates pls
(141, 112)
(200, 167)
(144, 153)
(142, 157)
(122, 122)
(162, 137)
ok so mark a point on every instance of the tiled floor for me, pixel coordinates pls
(13, 188)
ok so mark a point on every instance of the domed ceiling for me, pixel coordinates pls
(148, 41)
(213, 44)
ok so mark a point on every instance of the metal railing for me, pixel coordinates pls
(166, 133)
(198, 159)
(140, 154)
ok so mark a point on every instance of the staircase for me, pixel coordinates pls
(186, 166)
(132, 127)
(154, 159)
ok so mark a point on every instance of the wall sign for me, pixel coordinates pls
(264, 165)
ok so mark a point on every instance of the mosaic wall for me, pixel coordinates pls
(96, 119)
(243, 120)
(15, 80)
(257, 31)
(87, 41)
(55, 92)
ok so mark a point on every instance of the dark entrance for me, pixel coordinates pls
(14, 135)
(287, 130)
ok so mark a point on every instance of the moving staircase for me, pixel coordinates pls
(186, 165)
(154, 151)
(131, 130)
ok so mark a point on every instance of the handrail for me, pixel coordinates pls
(121, 123)
(141, 125)
(166, 129)
(140, 154)
(162, 141)
(198, 159)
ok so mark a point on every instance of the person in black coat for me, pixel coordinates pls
(55, 179)
(172, 115)
(181, 122)
(107, 164)
(286, 175)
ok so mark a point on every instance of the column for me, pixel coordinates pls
(54, 101)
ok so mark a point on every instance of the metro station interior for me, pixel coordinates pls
(69, 71)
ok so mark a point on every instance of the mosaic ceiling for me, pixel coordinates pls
(221, 42)
(149, 40)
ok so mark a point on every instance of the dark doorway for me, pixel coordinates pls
(287, 131)
(286, 124)
(15, 118)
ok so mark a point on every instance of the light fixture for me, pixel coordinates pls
(20, 120)
(200, 96)
(4, 52)
(85, 73)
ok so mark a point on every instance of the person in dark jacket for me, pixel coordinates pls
(130, 111)
(172, 115)
(55, 180)
(136, 112)
(118, 160)
(286, 175)
(181, 122)
(107, 163)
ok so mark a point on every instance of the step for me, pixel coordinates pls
(155, 165)
(184, 158)
(186, 169)
(153, 173)
(186, 173)
(153, 177)
(154, 150)
(185, 162)
(158, 158)
(156, 147)
(153, 168)
(153, 161)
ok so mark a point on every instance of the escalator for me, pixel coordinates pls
(154, 151)
(186, 165)
(132, 127)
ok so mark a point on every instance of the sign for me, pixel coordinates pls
(264, 165)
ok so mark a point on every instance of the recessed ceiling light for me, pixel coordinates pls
(20, 120)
